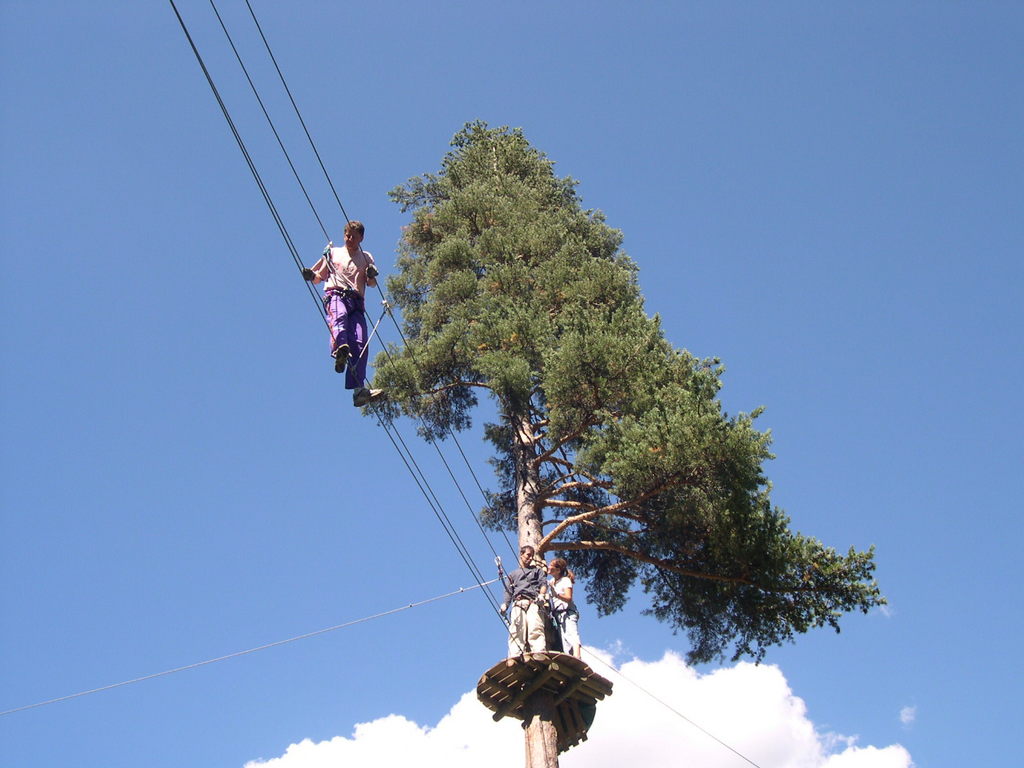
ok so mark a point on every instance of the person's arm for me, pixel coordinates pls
(566, 595)
(508, 592)
(319, 271)
(542, 590)
(371, 271)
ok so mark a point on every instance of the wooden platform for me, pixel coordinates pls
(576, 688)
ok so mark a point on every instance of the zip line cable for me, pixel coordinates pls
(249, 161)
(446, 524)
(297, 112)
(436, 507)
(266, 114)
(327, 176)
(450, 529)
(670, 708)
(236, 654)
(447, 466)
(425, 486)
(451, 433)
(410, 462)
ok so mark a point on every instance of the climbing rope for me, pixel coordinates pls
(248, 651)
(667, 706)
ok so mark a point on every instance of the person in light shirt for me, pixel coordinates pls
(345, 272)
(563, 609)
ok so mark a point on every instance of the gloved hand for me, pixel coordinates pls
(307, 274)
(503, 609)
(371, 271)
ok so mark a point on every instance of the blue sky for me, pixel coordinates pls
(826, 196)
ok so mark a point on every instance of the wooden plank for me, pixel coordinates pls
(489, 685)
(495, 703)
(506, 687)
(577, 718)
(564, 726)
(520, 697)
(569, 690)
(570, 734)
(596, 688)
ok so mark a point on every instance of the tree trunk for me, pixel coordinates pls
(541, 734)
(539, 709)
(527, 483)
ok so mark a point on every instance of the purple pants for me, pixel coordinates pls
(348, 326)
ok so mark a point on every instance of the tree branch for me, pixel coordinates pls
(612, 529)
(587, 518)
(571, 505)
(611, 509)
(453, 385)
(576, 471)
(565, 439)
(609, 546)
(553, 489)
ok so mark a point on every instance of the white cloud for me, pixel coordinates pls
(750, 708)
(466, 737)
(870, 757)
(908, 715)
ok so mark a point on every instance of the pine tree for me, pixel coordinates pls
(611, 446)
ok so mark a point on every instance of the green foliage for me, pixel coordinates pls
(610, 439)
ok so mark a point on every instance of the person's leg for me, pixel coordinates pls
(355, 377)
(517, 635)
(571, 634)
(337, 316)
(535, 628)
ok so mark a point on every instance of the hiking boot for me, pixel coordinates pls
(341, 358)
(364, 396)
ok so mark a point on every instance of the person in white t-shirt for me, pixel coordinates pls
(345, 272)
(563, 609)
